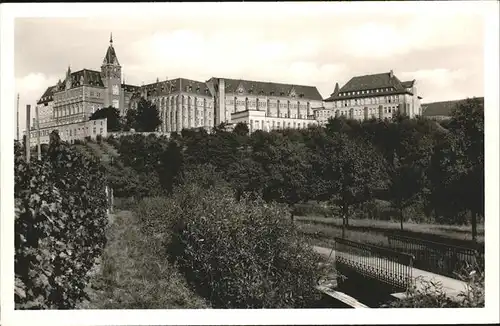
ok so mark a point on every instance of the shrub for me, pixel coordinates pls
(432, 295)
(244, 254)
(60, 219)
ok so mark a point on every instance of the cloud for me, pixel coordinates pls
(306, 44)
(382, 38)
(443, 84)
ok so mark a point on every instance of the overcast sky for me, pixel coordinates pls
(307, 43)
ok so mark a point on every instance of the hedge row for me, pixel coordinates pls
(236, 254)
(60, 220)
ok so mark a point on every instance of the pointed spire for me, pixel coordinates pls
(157, 79)
(110, 57)
(336, 88)
(69, 69)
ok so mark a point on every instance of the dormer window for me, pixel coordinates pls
(197, 89)
(301, 95)
(282, 93)
(272, 93)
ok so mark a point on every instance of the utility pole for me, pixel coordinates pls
(28, 132)
(17, 117)
(39, 150)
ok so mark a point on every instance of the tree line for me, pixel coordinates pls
(434, 168)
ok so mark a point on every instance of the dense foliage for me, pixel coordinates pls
(236, 254)
(145, 119)
(433, 295)
(416, 166)
(60, 219)
(112, 115)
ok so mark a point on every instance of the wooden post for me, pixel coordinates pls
(28, 132)
(39, 150)
(112, 200)
(107, 200)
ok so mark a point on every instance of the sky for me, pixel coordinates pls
(315, 44)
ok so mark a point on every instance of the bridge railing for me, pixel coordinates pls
(436, 257)
(382, 264)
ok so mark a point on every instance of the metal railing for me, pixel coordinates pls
(382, 264)
(435, 257)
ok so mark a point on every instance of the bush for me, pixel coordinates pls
(60, 220)
(432, 295)
(113, 141)
(244, 254)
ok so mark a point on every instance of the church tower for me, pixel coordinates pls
(111, 73)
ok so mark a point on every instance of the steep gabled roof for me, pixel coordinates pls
(408, 84)
(368, 82)
(270, 88)
(47, 95)
(82, 77)
(130, 88)
(110, 58)
(175, 86)
(386, 83)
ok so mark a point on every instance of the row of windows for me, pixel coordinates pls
(68, 132)
(277, 124)
(370, 111)
(263, 103)
(371, 100)
(59, 112)
(369, 91)
(200, 113)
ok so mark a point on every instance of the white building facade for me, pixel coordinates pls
(72, 131)
(377, 96)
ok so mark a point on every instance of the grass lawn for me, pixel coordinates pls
(133, 274)
(322, 230)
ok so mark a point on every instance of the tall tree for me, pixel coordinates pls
(349, 172)
(458, 164)
(411, 157)
(130, 120)
(148, 116)
(111, 114)
(241, 129)
(285, 168)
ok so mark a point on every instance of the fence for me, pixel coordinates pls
(382, 264)
(436, 257)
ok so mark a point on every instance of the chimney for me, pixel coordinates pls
(391, 74)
